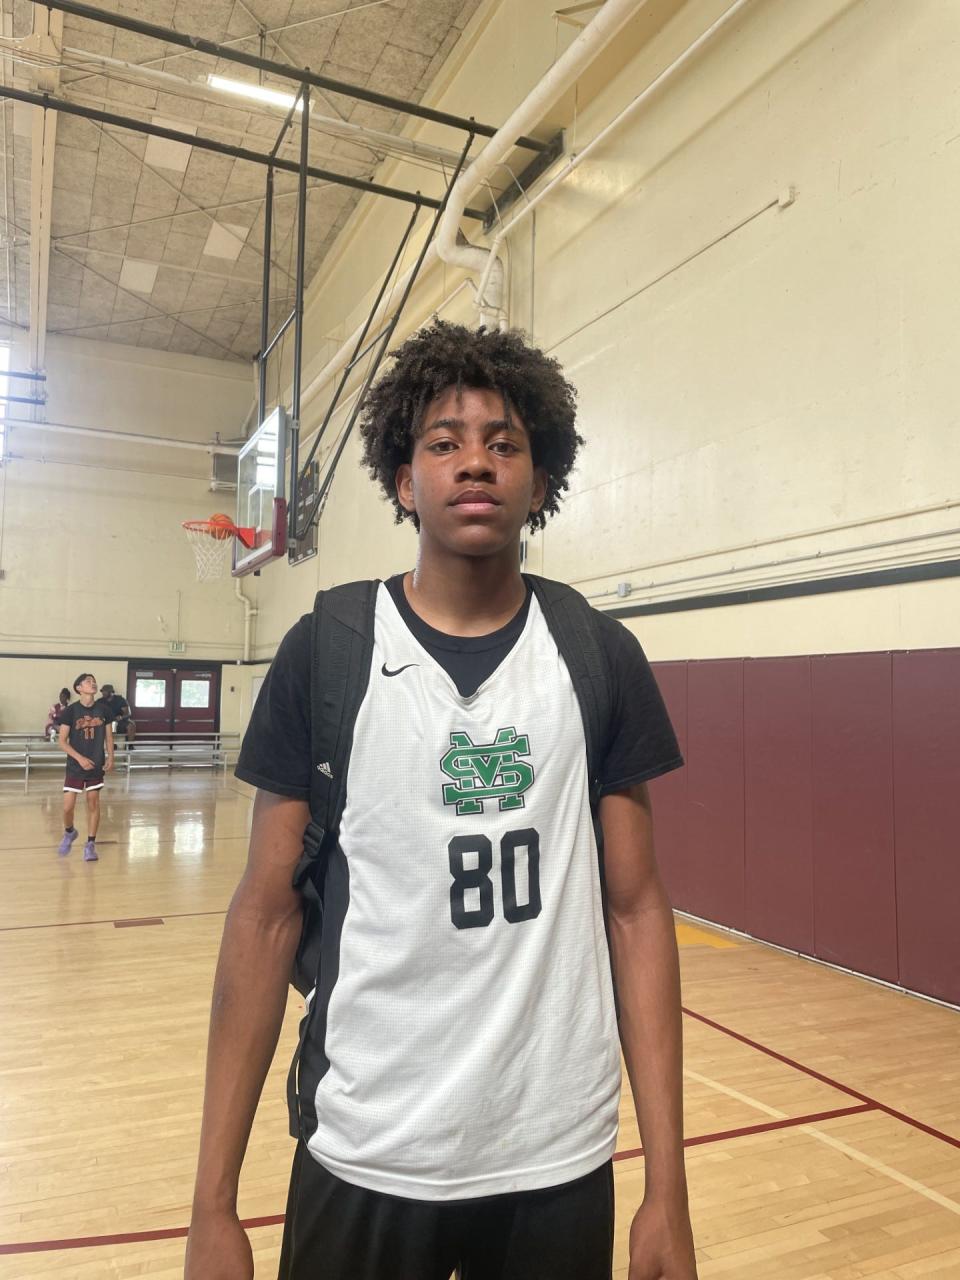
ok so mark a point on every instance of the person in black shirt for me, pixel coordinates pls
(118, 710)
(87, 739)
(454, 1013)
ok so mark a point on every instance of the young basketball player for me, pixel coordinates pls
(87, 739)
(459, 1086)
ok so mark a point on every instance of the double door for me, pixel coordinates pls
(180, 700)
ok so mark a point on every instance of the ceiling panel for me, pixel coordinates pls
(160, 245)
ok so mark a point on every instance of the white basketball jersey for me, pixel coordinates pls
(470, 1034)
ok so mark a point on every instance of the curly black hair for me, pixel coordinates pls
(451, 355)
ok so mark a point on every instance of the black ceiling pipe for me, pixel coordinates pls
(283, 70)
(48, 101)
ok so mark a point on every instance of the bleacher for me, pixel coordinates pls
(26, 756)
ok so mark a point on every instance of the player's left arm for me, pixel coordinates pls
(647, 973)
(108, 763)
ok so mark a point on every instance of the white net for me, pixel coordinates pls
(212, 551)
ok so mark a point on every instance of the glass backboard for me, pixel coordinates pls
(261, 494)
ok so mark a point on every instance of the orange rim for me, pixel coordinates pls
(214, 527)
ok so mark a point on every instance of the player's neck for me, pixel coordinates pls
(465, 596)
(87, 699)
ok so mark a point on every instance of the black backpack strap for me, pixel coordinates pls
(343, 619)
(573, 624)
(342, 648)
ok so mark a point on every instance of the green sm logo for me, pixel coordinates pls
(489, 771)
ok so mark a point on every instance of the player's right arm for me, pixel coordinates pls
(260, 939)
(63, 741)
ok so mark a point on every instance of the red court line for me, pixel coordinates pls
(69, 924)
(126, 1237)
(39, 848)
(817, 1075)
(868, 1104)
(790, 1122)
(171, 1233)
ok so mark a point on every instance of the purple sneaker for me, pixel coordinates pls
(90, 852)
(66, 842)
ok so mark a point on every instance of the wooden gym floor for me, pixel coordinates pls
(822, 1111)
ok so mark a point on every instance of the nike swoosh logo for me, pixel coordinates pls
(398, 670)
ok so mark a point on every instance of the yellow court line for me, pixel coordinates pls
(861, 1156)
(688, 935)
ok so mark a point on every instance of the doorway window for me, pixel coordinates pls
(195, 693)
(150, 693)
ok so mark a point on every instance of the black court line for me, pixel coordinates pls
(71, 924)
(39, 848)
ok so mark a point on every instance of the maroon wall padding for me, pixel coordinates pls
(669, 792)
(855, 915)
(820, 807)
(926, 717)
(714, 873)
(778, 796)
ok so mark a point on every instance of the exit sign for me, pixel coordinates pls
(178, 646)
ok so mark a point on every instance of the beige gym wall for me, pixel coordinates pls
(752, 284)
(94, 560)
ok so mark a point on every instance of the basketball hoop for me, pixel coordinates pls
(211, 541)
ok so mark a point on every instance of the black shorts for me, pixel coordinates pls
(122, 725)
(336, 1231)
(87, 780)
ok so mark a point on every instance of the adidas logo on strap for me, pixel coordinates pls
(325, 770)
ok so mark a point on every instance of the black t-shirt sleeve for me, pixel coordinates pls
(642, 744)
(275, 754)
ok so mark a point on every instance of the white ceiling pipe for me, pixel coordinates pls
(112, 437)
(559, 78)
(202, 90)
(490, 287)
(336, 363)
(44, 139)
(564, 72)
(48, 34)
(249, 613)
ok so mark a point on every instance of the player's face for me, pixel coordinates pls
(471, 480)
(87, 686)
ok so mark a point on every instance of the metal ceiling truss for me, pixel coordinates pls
(299, 76)
(376, 349)
(50, 102)
(305, 81)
